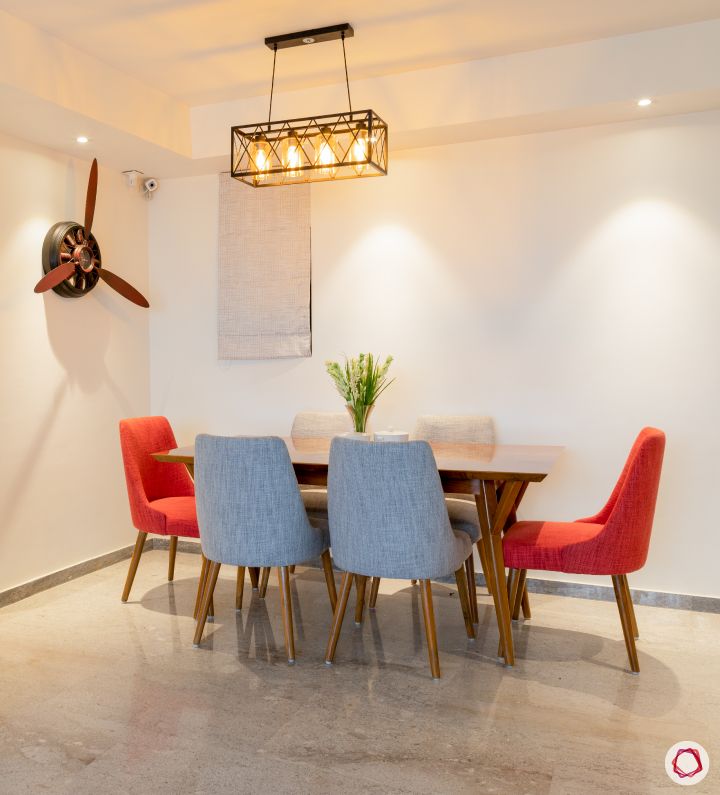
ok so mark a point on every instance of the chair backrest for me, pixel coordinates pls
(472, 429)
(146, 478)
(320, 424)
(249, 507)
(628, 515)
(387, 511)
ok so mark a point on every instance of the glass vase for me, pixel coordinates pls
(359, 414)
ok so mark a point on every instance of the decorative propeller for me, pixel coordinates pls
(71, 257)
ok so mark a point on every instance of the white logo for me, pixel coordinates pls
(687, 763)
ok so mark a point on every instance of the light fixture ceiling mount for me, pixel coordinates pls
(312, 148)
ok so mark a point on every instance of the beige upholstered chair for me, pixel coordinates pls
(320, 424)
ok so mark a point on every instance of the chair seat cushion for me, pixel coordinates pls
(180, 516)
(552, 546)
(463, 516)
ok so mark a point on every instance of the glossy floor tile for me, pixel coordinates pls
(103, 697)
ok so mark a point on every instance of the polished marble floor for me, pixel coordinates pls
(101, 697)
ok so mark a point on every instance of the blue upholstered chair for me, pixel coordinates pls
(388, 519)
(250, 513)
(464, 429)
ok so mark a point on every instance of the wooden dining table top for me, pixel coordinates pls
(530, 463)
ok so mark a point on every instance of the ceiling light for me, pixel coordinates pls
(82, 139)
(312, 148)
(644, 102)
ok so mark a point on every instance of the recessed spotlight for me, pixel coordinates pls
(308, 40)
(644, 102)
(82, 139)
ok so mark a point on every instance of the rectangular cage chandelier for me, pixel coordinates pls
(334, 146)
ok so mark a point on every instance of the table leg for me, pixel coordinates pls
(493, 514)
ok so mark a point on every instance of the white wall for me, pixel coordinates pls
(565, 283)
(71, 368)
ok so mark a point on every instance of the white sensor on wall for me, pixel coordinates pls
(149, 187)
(132, 177)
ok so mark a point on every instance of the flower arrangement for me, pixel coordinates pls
(360, 381)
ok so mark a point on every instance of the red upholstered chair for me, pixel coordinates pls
(615, 541)
(162, 496)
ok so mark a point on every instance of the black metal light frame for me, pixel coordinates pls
(323, 148)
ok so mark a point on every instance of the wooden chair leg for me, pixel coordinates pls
(239, 587)
(525, 600)
(286, 605)
(171, 559)
(472, 587)
(211, 580)
(520, 594)
(254, 577)
(134, 560)
(463, 593)
(374, 588)
(430, 634)
(329, 578)
(413, 582)
(264, 581)
(201, 585)
(626, 622)
(630, 606)
(360, 583)
(338, 616)
(291, 569)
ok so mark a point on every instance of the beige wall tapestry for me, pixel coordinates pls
(264, 271)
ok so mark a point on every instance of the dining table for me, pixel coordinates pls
(495, 475)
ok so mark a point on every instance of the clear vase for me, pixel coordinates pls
(359, 414)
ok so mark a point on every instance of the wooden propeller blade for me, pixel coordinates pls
(55, 277)
(121, 286)
(90, 198)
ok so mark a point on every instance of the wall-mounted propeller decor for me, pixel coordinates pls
(71, 256)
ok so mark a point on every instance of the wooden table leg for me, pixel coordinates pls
(493, 514)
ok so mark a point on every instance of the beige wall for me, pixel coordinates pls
(565, 283)
(69, 369)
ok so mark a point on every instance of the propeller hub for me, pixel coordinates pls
(83, 257)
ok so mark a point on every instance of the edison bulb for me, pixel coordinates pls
(259, 151)
(325, 151)
(292, 155)
(360, 148)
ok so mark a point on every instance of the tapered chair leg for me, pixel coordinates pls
(626, 622)
(239, 587)
(525, 600)
(254, 577)
(329, 578)
(374, 588)
(265, 576)
(134, 560)
(171, 558)
(286, 605)
(630, 606)
(201, 585)
(472, 588)
(210, 582)
(338, 616)
(461, 580)
(430, 634)
(360, 583)
(520, 593)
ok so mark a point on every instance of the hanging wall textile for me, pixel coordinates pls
(264, 272)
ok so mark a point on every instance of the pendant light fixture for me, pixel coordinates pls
(313, 148)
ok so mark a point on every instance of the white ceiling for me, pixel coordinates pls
(205, 51)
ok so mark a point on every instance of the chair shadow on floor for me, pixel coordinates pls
(567, 660)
